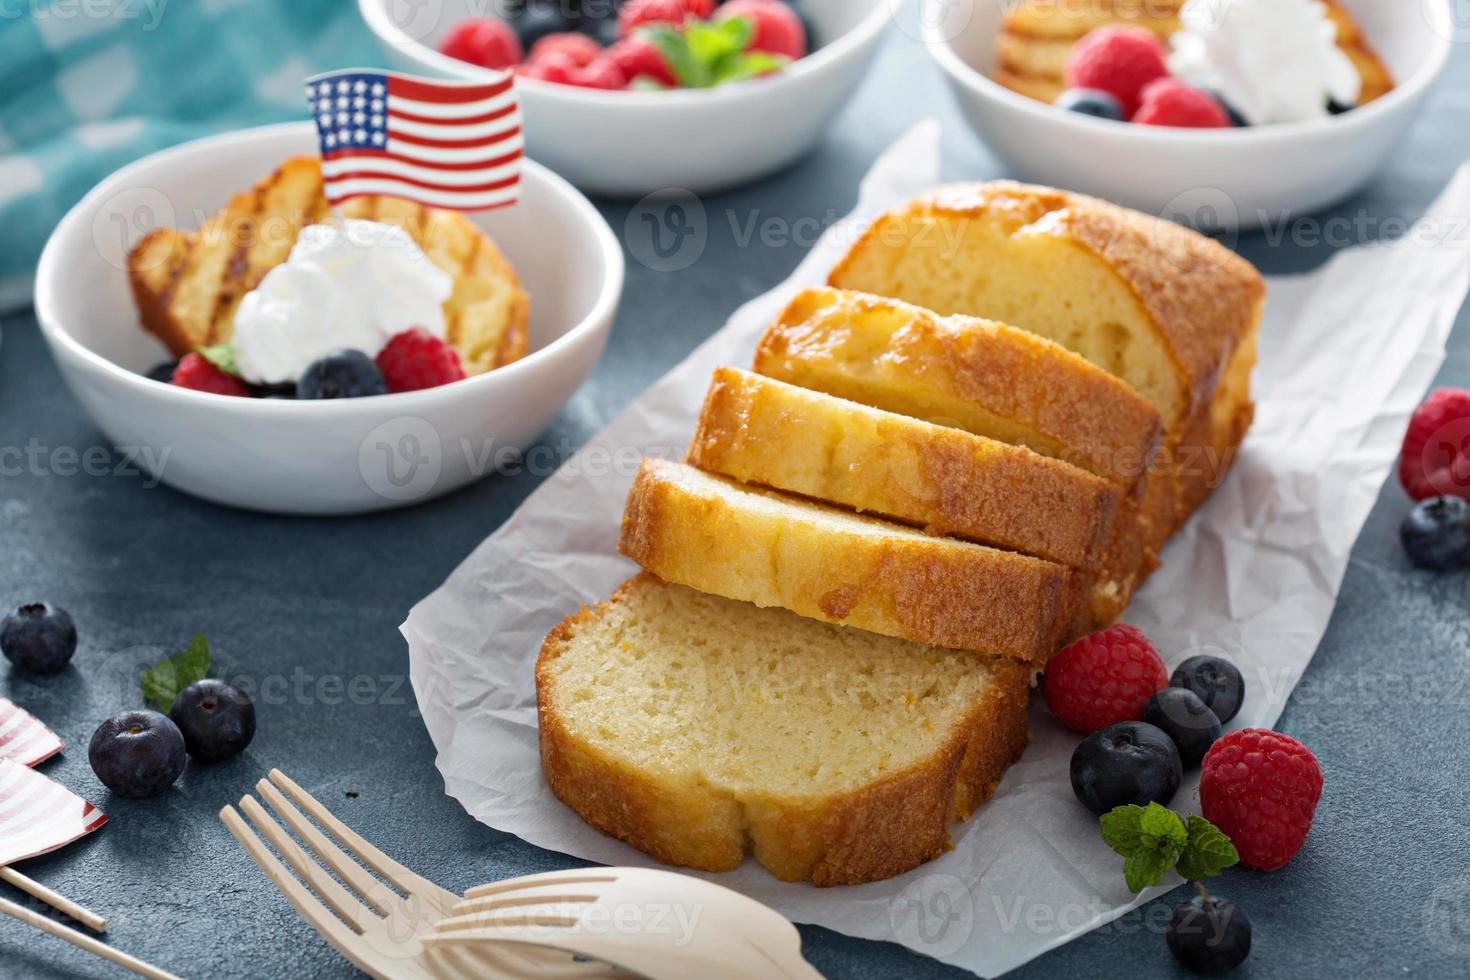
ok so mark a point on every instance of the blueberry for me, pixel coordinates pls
(161, 372)
(1236, 119)
(1129, 762)
(1181, 715)
(1209, 935)
(1090, 102)
(137, 753)
(604, 31)
(538, 18)
(284, 390)
(598, 19)
(217, 719)
(1436, 534)
(1215, 681)
(341, 374)
(38, 638)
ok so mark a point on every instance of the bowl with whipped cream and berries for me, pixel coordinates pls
(1221, 114)
(628, 97)
(250, 343)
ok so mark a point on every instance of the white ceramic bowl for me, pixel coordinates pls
(1227, 179)
(330, 457)
(631, 143)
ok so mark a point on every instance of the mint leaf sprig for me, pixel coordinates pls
(709, 53)
(221, 356)
(164, 681)
(1153, 839)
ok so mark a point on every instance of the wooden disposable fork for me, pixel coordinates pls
(378, 923)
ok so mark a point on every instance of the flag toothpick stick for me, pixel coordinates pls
(83, 941)
(58, 902)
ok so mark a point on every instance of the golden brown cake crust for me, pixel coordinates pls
(880, 830)
(942, 365)
(187, 285)
(945, 480)
(930, 590)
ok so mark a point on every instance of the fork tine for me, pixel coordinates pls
(390, 869)
(535, 894)
(574, 876)
(369, 888)
(314, 912)
(337, 898)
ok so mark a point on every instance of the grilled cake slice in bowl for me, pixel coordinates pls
(740, 542)
(1169, 311)
(697, 729)
(1037, 36)
(188, 285)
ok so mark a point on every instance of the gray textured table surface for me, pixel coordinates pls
(1382, 889)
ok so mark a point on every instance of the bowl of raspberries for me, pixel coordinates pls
(629, 97)
(1219, 114)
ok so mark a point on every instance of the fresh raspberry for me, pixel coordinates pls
(777, 29)
(485, 41)
(416, 359)
(196, 372)
(1119, 61)
(575, 45)
(641, 13)
(1103, 678)
(557, 66)
(602, 72)
(1170, 102)
(1435, 461)
(1260, 788)
(639, 56)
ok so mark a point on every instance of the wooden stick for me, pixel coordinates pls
(83, 941)
(60, 903)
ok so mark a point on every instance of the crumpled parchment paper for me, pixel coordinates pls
(1346, 354)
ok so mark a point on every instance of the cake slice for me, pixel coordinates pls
(988, 379)
(697, 728)
(1172, 313)
(187, 285)
(720, 537)
(945, 480)
(1036, 38)
(982, 376)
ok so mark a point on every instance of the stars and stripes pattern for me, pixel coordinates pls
(23, 737)
(443, 144)
(38, 814)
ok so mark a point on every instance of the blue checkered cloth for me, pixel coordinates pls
(89, 85)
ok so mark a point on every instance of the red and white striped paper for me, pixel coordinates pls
(38, 814)
(23, 737)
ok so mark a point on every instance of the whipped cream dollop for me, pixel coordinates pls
(1273, 61)
(346, 284)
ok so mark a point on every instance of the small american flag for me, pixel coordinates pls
(38, 814)
(444, 144)
(23, 737)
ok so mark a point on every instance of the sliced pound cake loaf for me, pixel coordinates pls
(1171, 312)
(698, 728)
(740, 542)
